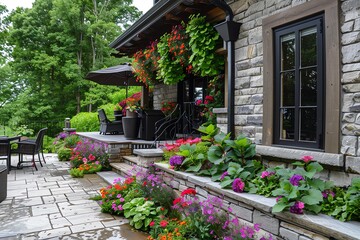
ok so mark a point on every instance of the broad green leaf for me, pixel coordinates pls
(279, 207)
(314, 197)
(226, 183)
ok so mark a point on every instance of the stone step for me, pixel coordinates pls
(132, 160)
(124, 169)
(109, 176)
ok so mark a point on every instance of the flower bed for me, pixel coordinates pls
(253, 208)
(151, 206)
(231, 162)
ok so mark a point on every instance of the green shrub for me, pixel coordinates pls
(71, 141)
(64, 154)
(48, 144)
(76, 173)
(85, 122)
(121, 94)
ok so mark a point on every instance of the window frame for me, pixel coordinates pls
(296, 28)
(332, 84)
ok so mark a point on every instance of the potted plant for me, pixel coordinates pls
(131, 122)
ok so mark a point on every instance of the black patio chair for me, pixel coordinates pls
(107, 126)
(30, 147)
(5, 153)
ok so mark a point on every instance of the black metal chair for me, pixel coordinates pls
(107, 126)
(5, 153)
(31, 147)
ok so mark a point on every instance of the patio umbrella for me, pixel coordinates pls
(120, 75)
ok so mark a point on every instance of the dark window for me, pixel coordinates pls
(299, 81)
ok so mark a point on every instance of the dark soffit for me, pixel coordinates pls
(159, 20)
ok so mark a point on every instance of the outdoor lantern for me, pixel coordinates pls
(228, 30)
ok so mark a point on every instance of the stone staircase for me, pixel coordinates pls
(140, 161)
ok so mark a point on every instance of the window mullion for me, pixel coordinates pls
(297, 87)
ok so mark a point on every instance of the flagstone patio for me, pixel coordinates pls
(50, 204)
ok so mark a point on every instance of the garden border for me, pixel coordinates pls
(257, 209)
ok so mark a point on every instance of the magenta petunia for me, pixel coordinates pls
(238, 185)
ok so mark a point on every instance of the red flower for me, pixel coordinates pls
(209, 98)
(176, 201)
(144, 183)
(163, 223)
(189, 191)
(91, 157)
(152, 223)
(129, 180)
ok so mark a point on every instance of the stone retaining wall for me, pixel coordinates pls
(251, 209)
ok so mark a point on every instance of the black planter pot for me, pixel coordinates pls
(131, 126)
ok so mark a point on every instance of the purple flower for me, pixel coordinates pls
(265, 174)
(238, 185)
(297, 207)
(326, 193)
(176, 160)
(278, 198)
(295, 179)
(224, 175)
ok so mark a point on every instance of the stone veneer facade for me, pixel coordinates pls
(164, 93)
(249, 86)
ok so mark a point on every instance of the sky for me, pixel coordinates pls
(142, 5)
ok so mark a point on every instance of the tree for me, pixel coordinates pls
(57, 42)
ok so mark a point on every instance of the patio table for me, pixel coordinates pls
(8, 140)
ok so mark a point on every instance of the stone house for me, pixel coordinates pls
(292, 75)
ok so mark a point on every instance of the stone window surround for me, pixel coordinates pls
(332, 67)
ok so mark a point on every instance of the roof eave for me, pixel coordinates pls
(154, 14)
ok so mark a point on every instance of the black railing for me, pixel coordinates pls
(182, 122)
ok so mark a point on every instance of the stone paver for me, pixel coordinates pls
(50, 204)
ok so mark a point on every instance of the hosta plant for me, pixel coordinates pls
(142, 212)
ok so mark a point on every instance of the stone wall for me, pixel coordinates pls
(350, 50)
(164, 93)
(249, 73)
(251, 209)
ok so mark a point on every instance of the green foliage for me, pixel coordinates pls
(195, 156)
(85, 122)
(141, 212)
(306, 190)
(71, 141)
(23, 130)
(48, 144)
(209, 132)
(120, 95)
(344, 205)
(77, 173)
(203, 41)
(170, 69)
(264, 184)
(64, 154)
(54, 44)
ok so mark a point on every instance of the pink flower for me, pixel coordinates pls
(265, 174)
(307, 159)
(97, 162)
(152, 223)
(91, 157)
(238, 185)
(198, 102)
(163, 223)
(84, 160)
